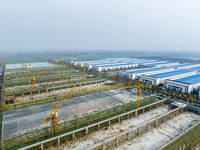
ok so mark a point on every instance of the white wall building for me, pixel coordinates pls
(157, 79)
(133, 74)
(186, 84)
(163, 64)
(113, 67)
(185, 66)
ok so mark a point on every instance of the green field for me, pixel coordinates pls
(30, 69)
(27, 88)
(35, 73)
(24, 81)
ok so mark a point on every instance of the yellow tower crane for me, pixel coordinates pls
(138, 86)
(33, 78)
(22, 66)
(54, 115)
(83, 73)
(25, 69)
(58, 60)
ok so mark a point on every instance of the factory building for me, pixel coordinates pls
(133, 74)
(196, 69)
(147, 63)
(163, 64)
(186, 66)
(28, 65)
(114, 66)
(186, 84)
(157, 79)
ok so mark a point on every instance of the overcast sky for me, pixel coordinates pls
(99, 24)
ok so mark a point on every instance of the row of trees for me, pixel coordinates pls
(171, 93)
(158, 89)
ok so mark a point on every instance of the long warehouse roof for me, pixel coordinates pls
(117, 65)
(183, 65)
(148, 70)
(152, 62)
(194, 79)
(170, 74)
(163, 63)
(195, 68)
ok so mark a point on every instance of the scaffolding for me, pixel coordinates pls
(24, 126)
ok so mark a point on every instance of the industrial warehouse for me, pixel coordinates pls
(185, 84)
(98, 104)
(157, 79)
(134, 74)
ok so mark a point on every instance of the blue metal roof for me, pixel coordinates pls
(100, 63)
(196, 68)
(194, 79)
(148, 70)
(152, 62)
(163, 63)
(170, 74)
(183, 65)
(117, 65)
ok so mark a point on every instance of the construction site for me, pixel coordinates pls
(62, 105)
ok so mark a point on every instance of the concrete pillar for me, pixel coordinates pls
(41, 146)
(183, 146)
(98, 126)
(127, 116)
(169, 115)
(156, 105)
(117, 141)
(138, 130)
(73, 136)
(163, 118)
(86, 130)
(176, 112)
(150, 107)
(103, 146)
(128, 136)
(156, 124)
(109, 123)
(58, 142)
(135, 113)
(143, 110)
(119, 119)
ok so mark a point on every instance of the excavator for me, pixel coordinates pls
(54, 115)
(33, 79)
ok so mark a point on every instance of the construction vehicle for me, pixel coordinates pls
(33, 79)
(56, 60)
(54, 115)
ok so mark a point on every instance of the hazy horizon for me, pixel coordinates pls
(130, 25)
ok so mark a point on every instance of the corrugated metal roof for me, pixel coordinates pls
(170, 74)
(148, 70)
(195, 68)
(183, 65)
(117, 65)
(194, 79)
(163, 63)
